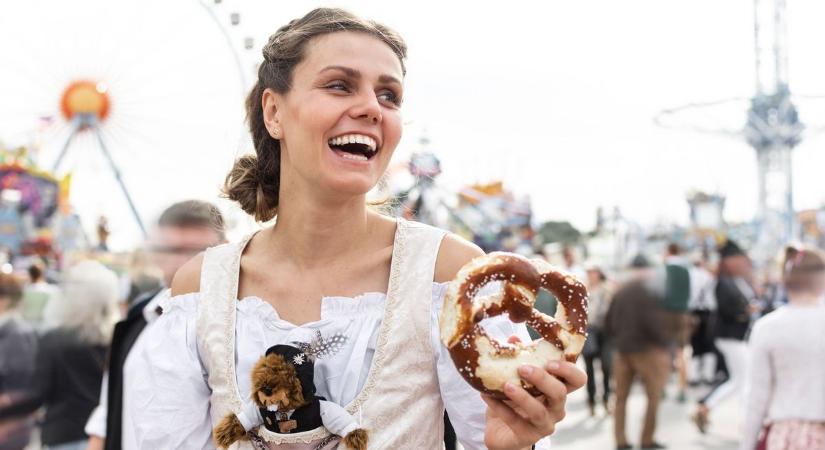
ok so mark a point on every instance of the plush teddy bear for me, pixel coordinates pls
(283, 400)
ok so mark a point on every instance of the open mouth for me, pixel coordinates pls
(355, 147)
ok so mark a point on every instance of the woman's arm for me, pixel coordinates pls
(759, 380)
(167, 382)
(188, 278)
(452, 255)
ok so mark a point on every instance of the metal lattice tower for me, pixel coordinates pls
(773, 128)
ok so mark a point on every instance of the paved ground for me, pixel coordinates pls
(578, 431)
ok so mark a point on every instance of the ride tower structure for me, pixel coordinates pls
(772, 127)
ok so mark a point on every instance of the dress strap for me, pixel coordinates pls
(410, 297)
(401, 395)
(216, 324)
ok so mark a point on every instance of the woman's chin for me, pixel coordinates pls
(351, 185)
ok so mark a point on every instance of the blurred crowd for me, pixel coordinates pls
(64, 341)
(711, 323)
(718, 328)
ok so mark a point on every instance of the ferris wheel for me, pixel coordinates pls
(141, 101)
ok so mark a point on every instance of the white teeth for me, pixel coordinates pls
(354, 139)
(351, 156)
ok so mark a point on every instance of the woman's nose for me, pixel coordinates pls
(368, 108)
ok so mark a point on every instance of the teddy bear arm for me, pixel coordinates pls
(336, 419)
(228, 431)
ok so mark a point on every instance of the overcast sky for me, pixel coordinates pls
(555, 98)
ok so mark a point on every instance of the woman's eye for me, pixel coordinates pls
(390, 97)
(338, 86)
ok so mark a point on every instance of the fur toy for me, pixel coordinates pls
(283, 400)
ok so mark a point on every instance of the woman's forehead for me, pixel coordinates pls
(361, 52)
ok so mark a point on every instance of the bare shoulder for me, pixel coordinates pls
(188, 278)
(453, 254)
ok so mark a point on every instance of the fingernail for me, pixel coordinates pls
(508, 387)
(525, 370)
(553, 365)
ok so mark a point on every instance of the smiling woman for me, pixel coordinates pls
(361, 289)
(288, 73)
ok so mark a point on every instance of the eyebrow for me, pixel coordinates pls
(353, 73)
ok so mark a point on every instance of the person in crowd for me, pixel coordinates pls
(71, 356)
(704, 363)
(734, 296)
(771, 292)
(18, 347)
(545, 301)
(597, 347)
(785, 382)
(635, 324)
(677, 291)
(571, 265)
(37, 294)
(103, 233)
(325, 118)
(142, 276)
(183, 230)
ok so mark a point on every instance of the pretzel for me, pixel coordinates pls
(487, 364)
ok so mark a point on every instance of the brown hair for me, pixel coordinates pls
(193, 213)
(254, 180)
(804, 269)
(11, 288)
(272, 372)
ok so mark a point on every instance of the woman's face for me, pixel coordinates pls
(340, 122)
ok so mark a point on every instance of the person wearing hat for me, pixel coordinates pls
(635, 324)
(734, 296)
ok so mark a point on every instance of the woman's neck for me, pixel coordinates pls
(311, 231)
(803, 299)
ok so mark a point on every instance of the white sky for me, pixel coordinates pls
(555, 98)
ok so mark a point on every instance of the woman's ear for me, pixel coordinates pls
(271, 102)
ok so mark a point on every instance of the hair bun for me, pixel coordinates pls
(244, 185)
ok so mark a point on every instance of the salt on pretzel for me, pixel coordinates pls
(487, 364)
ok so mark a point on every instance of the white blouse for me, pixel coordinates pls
(168, 379)
(786, 375)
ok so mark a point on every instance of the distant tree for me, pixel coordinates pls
(562, 232)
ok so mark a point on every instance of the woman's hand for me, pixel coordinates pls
(522, 420)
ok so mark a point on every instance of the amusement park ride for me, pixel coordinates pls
(487, 213)
(772, 128)
(85, 104)
(126, 87)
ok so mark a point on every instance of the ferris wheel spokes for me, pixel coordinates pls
(89, 122)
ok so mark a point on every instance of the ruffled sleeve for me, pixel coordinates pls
(464, 406)
(168, 381)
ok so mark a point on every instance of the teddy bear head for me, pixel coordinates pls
(283, 377)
